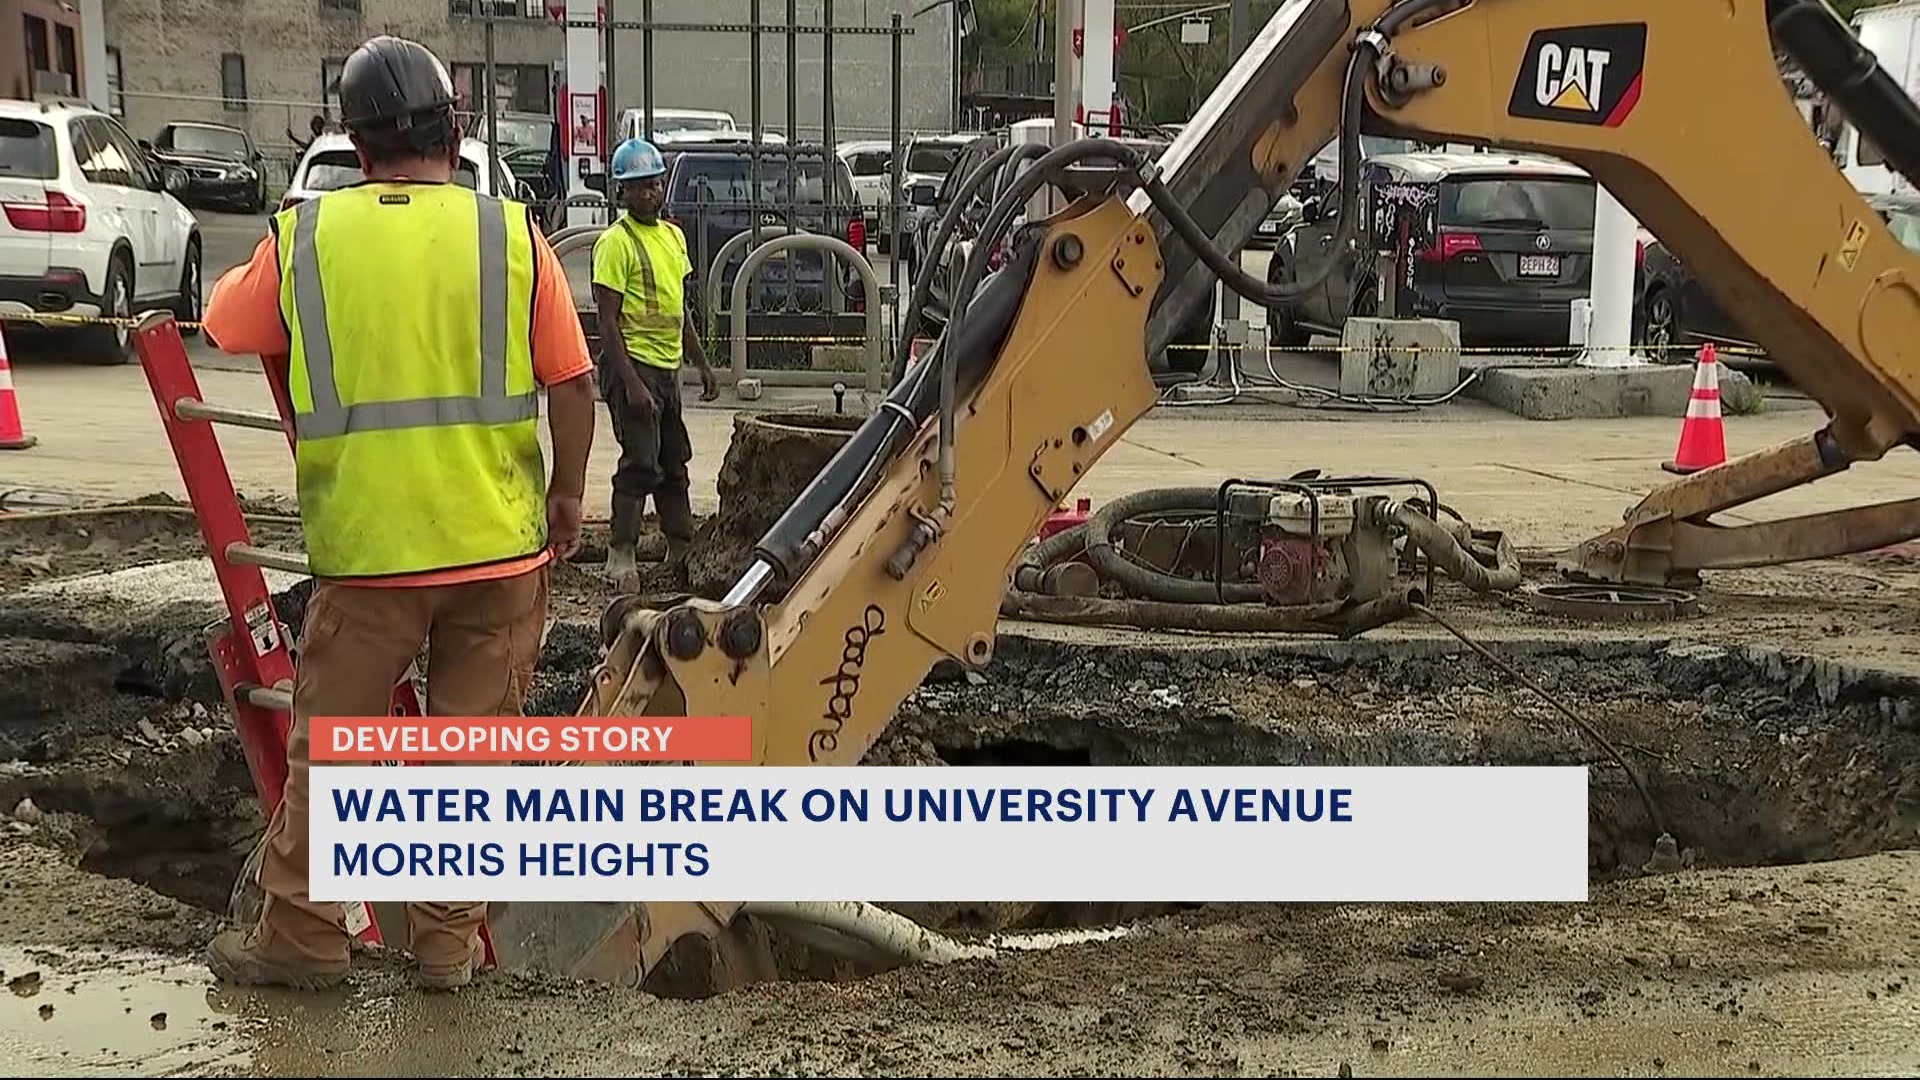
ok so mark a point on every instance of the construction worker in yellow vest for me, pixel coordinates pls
(418, 320)
(640, 269)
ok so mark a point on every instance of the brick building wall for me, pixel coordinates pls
(266, 65)
(44, 49)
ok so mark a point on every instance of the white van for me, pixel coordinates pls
(668, 123)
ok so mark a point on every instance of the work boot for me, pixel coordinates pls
(447, 975)
(676, 521)
(445, 944)
(248, 958)
(622, 566)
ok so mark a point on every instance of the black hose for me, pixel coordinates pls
(1010, 200)
(933, 259)
(1335, 617)
(1134, 165)
(1143, 581)
(1396, 18)
(1866, 93)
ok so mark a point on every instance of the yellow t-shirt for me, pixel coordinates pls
(648, 266)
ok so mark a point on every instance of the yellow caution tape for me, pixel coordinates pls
(831, 339)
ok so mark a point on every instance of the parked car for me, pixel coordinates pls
(1674, 309)
(1510, 249)
(870, 162)
(1279, 222)
(89, 225)
(223, 165)
(713, 196)
(331, 163)
(930, 160)
(529, 146)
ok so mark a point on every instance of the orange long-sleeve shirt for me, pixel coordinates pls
(243, 317)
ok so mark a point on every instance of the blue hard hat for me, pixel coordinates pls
(637, 159)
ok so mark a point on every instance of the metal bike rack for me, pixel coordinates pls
(573, 238)
(727, 250)
(808, 242)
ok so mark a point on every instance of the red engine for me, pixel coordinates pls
(1293, 569)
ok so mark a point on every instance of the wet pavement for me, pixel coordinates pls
(89, 1013)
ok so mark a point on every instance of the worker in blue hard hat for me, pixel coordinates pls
(640, 270)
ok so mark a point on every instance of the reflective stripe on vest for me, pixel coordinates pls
(328, 418)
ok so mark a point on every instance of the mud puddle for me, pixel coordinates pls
(85, 1013)
(1793, 1026)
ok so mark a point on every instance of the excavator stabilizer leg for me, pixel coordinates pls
(1668, 539)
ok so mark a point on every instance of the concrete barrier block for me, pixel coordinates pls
(1399, 357)
(1567, 393)
(839, 358)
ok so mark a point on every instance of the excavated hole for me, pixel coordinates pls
(1755, 758)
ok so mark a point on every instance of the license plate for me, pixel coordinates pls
(1539, 266)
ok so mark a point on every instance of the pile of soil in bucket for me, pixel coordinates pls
(771, 460)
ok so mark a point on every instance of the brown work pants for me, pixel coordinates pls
(483, 641)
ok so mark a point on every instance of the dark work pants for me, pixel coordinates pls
(654, 451)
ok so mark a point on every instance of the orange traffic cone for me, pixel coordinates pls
(13, 434)
(1703, 437)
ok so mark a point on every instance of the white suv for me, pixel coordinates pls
(331, 163)
(88, 225)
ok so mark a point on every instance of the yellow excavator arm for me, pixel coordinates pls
(898, 554)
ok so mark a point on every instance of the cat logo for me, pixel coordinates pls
(1570, 78)
(1581, 74)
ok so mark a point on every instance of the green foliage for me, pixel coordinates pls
(1005, 31)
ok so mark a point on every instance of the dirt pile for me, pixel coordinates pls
(771, 460)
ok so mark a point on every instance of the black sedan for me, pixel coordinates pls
(1502, 244)
(223, 165)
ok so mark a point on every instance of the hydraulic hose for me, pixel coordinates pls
(933, 259)
(1144, 581)
(1850, 73)
(1455, 561)
(1002, 212)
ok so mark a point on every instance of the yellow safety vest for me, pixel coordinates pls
(410, 309)
(647, 265)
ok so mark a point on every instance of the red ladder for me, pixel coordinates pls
(250, 648)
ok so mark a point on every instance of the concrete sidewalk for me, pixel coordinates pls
(1546, 483)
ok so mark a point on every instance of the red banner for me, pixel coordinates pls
(454, 739)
